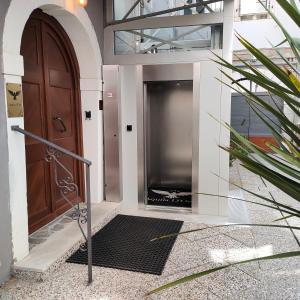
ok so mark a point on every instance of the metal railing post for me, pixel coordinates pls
(89, 224)
(67, 185)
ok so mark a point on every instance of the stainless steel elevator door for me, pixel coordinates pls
(169, 128)
(111, 134)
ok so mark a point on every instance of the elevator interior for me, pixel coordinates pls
(168, 135)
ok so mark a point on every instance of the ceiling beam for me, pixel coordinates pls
(131, 9)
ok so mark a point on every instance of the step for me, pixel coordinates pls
(44, 258)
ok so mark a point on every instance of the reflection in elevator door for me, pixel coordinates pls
(111, 136)
(168, 133)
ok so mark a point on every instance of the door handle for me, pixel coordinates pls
(60, 120)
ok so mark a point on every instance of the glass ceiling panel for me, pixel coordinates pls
(133, 8)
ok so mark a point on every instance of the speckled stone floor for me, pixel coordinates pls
(192, 253)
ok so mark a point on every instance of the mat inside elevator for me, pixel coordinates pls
(168, 116)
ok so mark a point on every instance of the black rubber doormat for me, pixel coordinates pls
(125, 243)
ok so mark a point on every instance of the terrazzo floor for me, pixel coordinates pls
(192, 253)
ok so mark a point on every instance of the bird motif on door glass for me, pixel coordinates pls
(172, 195)
(14, 94)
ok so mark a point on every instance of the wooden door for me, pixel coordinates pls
(52, 111)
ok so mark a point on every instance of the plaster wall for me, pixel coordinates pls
(95, 10)
(130, 90)
(5, 213)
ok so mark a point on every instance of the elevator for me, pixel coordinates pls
(168, 143)
(151, 136)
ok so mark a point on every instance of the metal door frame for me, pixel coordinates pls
(113, 89)
(142, 161)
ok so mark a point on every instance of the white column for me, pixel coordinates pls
(93, 134)
(225, 113)
(209, 136)
(13, 64)
(130, 89)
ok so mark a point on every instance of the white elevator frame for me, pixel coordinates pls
(211, 98)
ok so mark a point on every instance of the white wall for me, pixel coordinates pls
(225, 108)
(261, 32)
(17, 168)
(209, 137)
(131, 87)
(93, 136)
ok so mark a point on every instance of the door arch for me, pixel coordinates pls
(78, 26)
(51, 99)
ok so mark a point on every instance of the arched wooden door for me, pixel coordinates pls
(52, 111)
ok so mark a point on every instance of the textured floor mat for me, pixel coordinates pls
(124, 243)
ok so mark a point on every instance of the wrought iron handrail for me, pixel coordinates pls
(67, 185)
(50, 144)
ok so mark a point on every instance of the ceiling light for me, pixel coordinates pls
(83, 3)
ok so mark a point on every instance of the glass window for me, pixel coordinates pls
(174, 39)
(123, 7)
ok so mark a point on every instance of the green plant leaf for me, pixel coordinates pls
(285, 122)
(287, 185)
(261, 80)
(221, 226)
(294, 79)
(281, 43)
(292, 148)
(267, 121)
(282, 119)
(286, 34)
(268, 63)
(296, 42)
(204, 273)
(284, 183)
(294, 4)
(276, 89)
(291, 159)
(290, 10)
(262, 197)
(285, 60)
(284, 218)
(185, 279)
(296, 212)
(274, 162)
(283, 165)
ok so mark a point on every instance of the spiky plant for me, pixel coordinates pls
(282, 168)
